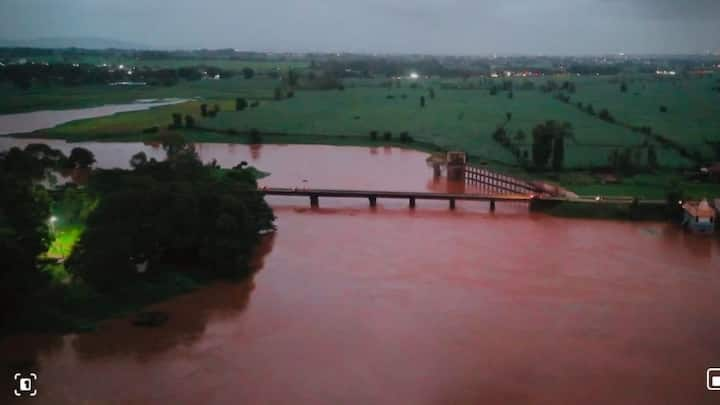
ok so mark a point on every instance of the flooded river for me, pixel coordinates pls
(353, 305)
(33, 121)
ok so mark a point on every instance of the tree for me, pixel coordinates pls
(558, 153)
(203, 110)
(387, 135)
(374, 135)
(81, 158)
(549, 140)
(652, 158)
(431, 93)
(138, 160)
(623, 87)
(520, 136)
(177, 120)
(184, 216)
(422, 101)
(189, 121)
(24, 235)
(508, 116)
(248, 73)
(606, 116)
(663, 109)
(292, 77)
(240, 104)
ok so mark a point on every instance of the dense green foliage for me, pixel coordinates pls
(187, 220)
(170, 215)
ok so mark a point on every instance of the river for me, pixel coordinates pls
(36, 120)
(387, 305)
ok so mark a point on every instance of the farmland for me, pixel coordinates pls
(58, 97)
(458, 115)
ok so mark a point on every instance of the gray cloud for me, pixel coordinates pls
(433, 26)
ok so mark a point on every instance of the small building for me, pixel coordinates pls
(699, 217)
(456, 162)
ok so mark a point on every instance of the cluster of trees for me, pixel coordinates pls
(548, 144)
(25, 218)
(403, 137)
(27, 75)
(174, 216)
(186, 216)
(24, 230)
(630, 160)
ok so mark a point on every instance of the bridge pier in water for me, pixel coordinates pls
(314, 201)
(492, 205)
(412, 202)
(373, 201)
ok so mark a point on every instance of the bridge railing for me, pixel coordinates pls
(497, 181)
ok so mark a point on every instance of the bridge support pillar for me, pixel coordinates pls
(452, 203)
(412, 202)
(314, 201)
(492, 205)
(373, 201)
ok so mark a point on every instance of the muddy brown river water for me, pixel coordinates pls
(392, 306)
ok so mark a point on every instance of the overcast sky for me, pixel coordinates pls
(405, 26)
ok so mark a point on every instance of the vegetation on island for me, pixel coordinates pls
(70, 255)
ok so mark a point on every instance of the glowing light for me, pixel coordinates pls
(121, 67)
(53, 219)
(414, 75)
(597, 198)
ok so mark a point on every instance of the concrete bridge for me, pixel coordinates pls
(411, 196)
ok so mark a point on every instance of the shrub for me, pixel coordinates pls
(374, 135)
(663, 109)
(387, 135)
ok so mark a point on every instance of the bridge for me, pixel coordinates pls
(411, 196)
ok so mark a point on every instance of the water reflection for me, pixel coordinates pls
(189, 316)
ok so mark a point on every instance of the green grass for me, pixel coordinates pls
(59, 98)
(64, 240)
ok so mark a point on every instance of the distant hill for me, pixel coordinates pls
(80, 42)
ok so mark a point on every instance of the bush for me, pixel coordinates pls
(663, 109)
(374, 135)
(405, 137)
(387, 135)
(151, 130)
(255, 136)
(606, 116)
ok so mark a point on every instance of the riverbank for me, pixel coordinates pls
(582, 182)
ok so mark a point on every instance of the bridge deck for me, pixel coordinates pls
(393, 194)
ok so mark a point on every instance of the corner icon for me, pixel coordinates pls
(712, 378)
(25, 384)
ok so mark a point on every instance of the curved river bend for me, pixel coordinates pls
(389, 306)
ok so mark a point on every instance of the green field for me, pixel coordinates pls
(693, 109)
(454, 119)
(58, 98)
(222, 63)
